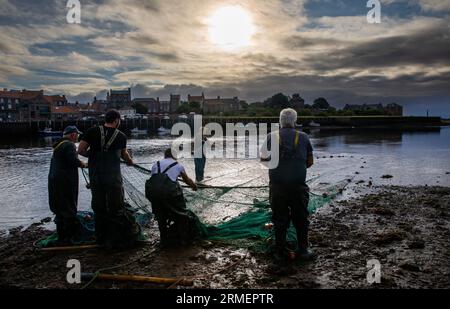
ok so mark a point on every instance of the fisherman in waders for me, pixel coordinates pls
(63, 186)
(199, 156)
(105, 146)
(289, 194)
(177, 225)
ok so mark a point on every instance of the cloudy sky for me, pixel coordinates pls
(248, 48)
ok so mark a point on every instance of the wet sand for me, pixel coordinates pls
(406, 228)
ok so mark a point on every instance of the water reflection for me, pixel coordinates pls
(412, 157)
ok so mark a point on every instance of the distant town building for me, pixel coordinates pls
(119, 98)
(217, 105)
(221, 105)
(100, 106)
(127, 112)
(175, 102)
(196, 99)
(164, 106)
(25, 105)
(57, 100)
(394, 109)
(66, 113)
(151, 104)
(93, 110)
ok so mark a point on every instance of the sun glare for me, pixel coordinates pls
(231, 28)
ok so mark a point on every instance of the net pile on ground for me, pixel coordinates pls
(239, 214)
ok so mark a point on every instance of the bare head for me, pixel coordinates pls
(288, 118)
(112, 118)
(169, 154)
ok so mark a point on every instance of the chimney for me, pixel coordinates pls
(5, 89)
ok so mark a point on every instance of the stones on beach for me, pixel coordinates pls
(382, 211)
(390, 237)
(416, 244)
(387, 176)
(46, 220)
(410, 266)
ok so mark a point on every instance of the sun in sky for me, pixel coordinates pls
(231, 28)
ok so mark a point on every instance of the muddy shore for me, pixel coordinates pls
(406, 228)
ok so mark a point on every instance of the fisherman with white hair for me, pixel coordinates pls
(289, 193)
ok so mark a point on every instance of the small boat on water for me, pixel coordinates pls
(139, 132)
(48, 132)
(314, 124)
(164, 131)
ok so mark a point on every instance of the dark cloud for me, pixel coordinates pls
(141, 91)
(143, 38)
(302, 41)
(150, 5)
(165, 56)
(87, 97)
(5, 47)
(428, 46)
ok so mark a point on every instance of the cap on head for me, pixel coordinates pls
(71, 129)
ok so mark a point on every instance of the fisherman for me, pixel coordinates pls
(105, 146)
(289, 193)
(199, 156)
(63, 186)
(177, 225)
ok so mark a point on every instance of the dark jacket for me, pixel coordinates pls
(63, 176)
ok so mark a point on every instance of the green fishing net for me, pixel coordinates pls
(237, 215)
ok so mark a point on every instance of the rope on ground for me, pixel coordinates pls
(99, 271)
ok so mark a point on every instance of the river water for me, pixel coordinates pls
(411, 157)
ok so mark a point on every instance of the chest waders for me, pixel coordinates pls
(63, 193)
(289, 200)
(104, 166)
(177, 224)
(114, 224)
(160, 186)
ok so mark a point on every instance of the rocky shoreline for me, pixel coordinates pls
(407, 229)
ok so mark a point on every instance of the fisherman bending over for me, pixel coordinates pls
(63, 186)
(105, 146)
(177, 225)
(289, 194)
